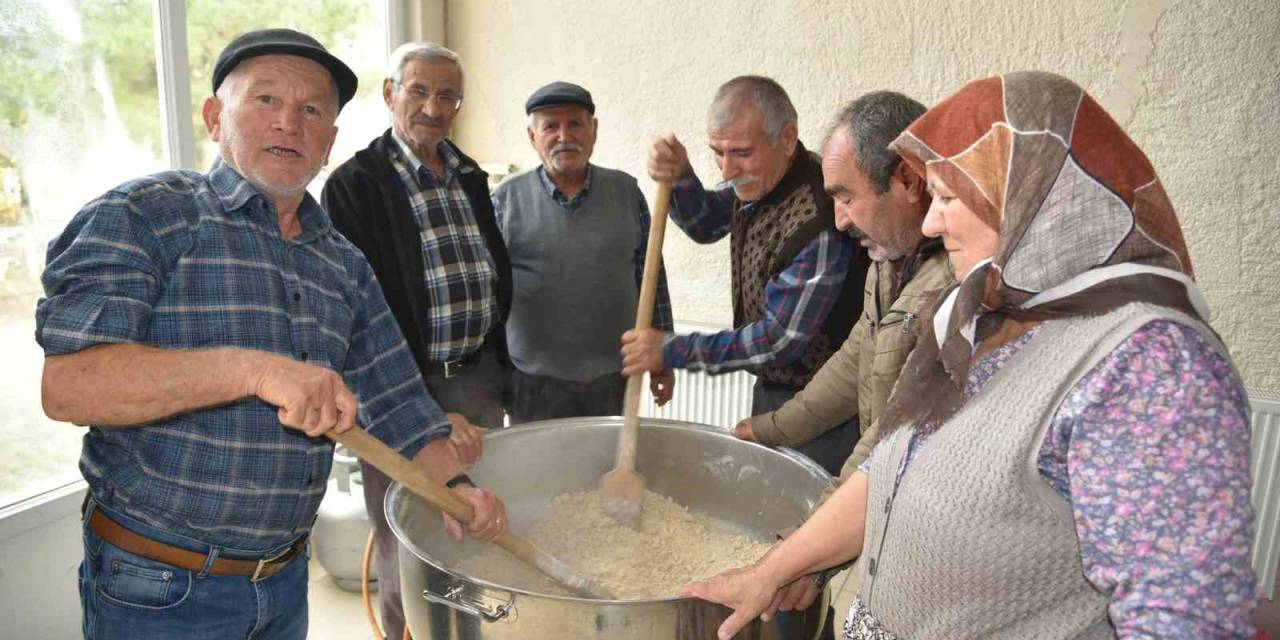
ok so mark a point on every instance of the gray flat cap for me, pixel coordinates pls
(559, 94)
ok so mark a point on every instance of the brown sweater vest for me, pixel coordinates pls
(764, 241)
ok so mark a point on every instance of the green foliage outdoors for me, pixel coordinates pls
(44, 72)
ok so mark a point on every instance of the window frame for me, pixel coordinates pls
(178, 139)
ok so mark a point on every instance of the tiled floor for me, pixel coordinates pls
(335, 614)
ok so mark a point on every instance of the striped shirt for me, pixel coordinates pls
(458, 272)
(181, 260)
(797, 300)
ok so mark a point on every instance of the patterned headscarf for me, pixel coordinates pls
(1085, 225)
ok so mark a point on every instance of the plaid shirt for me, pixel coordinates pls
(797, 300)
(662, 302)
(181, 260)
(458, 271)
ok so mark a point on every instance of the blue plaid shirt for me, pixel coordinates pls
(181, 260)
(797, 300)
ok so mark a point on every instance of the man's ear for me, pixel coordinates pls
(912, 183)
(388, 91)
(788, 137)
(327, 150)
(212, 114)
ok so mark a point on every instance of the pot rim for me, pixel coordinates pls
(587, 422)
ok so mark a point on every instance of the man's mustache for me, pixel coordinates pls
(566, 147)
(429, 121)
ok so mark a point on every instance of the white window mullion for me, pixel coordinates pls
(174, 76)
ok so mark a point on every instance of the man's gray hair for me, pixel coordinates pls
(763, 94)
(424, 51)
(873, 121)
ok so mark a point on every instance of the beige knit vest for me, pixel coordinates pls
(976, 544)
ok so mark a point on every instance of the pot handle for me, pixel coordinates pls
(453, 598)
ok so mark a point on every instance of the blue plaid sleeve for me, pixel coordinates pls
(797, 302)
(705, 216)
(394, 403)
(104, 274)
(662, 302)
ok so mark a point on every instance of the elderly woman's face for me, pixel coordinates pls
(967, 238)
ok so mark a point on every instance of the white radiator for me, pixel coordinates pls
(1265, 465)
(720, 400)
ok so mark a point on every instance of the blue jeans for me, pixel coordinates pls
(123, 595)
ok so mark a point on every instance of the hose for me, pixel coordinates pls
(364, 590)
(364, 593)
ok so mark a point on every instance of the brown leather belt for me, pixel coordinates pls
(114, 533)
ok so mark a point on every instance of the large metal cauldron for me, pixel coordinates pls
(759, 489)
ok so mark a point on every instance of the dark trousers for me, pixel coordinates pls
(476, 392)
(546, 398)
(830, 449)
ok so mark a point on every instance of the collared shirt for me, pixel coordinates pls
(458, 272)
(797, 300)
(182, 260)
(662, 302)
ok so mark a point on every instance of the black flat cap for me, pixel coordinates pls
(286, 42)
(559, 94)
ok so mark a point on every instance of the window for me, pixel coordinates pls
(79, 114)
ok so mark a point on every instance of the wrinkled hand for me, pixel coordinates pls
(641, 351)
(661, 385)
(467, 440)
(668, 159)
(308, 397)
(796, 596)
(742, 430)
(490, 515)
(745, 590)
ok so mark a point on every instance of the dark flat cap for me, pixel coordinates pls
(559, 94)
(286, 42)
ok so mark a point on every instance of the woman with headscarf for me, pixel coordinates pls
(1069, 457)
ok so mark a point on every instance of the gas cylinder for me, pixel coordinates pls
(342, 524)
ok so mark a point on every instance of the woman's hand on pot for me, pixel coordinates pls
(746, 590)
(798, 595)
(490, 515)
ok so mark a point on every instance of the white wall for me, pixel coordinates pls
(1196, 83)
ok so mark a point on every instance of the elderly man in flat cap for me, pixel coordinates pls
(419, 210)
(211, 329)
(577, 235)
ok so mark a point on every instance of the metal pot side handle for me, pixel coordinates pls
(454, 599)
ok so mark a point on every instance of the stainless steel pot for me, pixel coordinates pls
(759, 489)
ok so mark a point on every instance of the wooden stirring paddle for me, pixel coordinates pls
(622, 489)
(399, 468)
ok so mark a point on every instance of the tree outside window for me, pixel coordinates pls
(79, 114)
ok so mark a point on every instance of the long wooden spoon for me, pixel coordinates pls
(622, 489)
(399, 468)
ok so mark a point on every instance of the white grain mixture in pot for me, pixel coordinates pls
(672, 548)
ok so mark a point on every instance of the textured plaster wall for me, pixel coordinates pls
(1196, 83)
